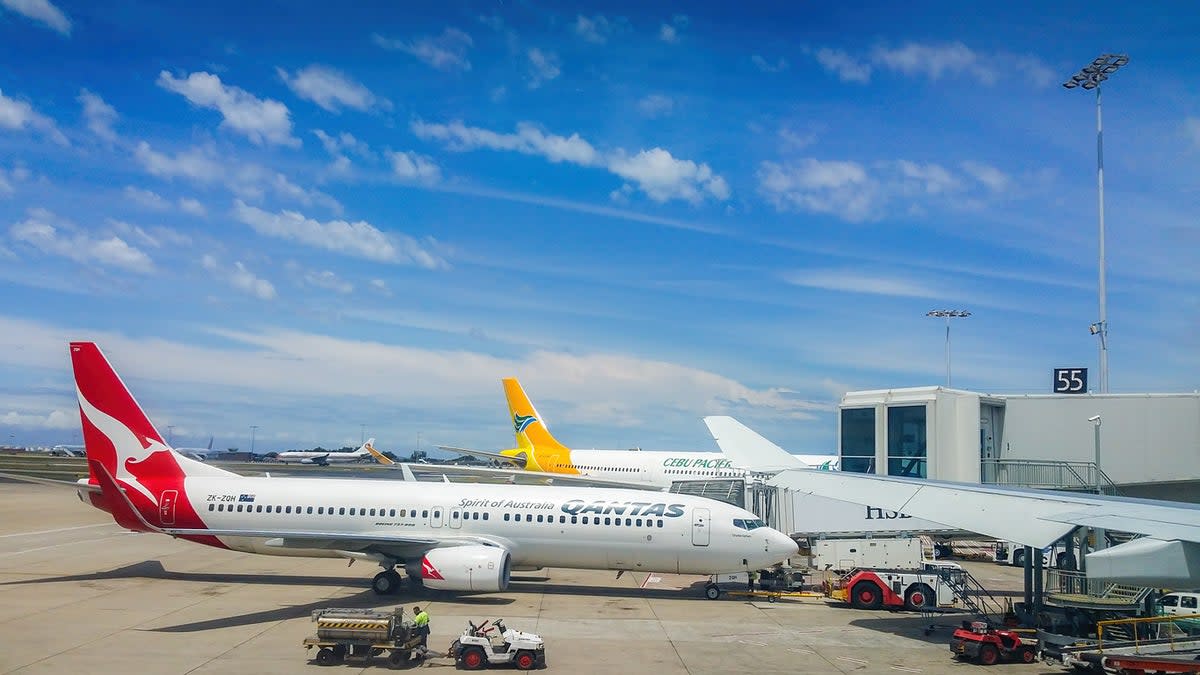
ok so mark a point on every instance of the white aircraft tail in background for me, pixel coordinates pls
(746, 448)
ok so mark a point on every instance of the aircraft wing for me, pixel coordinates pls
(523, 477)
(50, 481)
(1168, 556)
(518, 461)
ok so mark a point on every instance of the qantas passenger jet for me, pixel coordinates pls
(450, 536)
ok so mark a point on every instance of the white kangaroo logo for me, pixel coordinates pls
(127, 445)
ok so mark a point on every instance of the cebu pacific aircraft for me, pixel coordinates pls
(451, 536)
(538, 450)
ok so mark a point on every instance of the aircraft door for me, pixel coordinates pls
(166, 506)
(435, 516)
(700, 527)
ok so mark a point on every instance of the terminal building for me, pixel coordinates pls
(1136, 445)
(1132, 445)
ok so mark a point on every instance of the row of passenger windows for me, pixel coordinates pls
(586, 520)
(437, 514)
(730, 474)
(320, 510)
(584, 467)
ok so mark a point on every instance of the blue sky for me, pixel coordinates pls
(311, 218)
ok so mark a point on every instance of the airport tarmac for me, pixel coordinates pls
(78, 594)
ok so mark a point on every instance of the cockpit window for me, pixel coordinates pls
(747, 524)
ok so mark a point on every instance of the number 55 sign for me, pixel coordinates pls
(1070, 381)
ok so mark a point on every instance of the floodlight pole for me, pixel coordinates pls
(1090, 77)
(948, 314)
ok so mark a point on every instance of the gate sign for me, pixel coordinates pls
(1070, 381)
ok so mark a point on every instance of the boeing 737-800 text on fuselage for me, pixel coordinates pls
(449, 536)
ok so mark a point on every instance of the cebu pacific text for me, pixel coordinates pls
(684, 462)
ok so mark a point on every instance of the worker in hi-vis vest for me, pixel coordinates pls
(421, 624)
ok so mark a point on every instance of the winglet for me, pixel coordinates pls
(123, 510)
(383, 459)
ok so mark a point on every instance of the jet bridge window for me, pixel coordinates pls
(858, 440)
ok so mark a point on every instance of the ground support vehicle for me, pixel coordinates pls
(782, 580)
(978, 641)
(482, 646)
(361, 634)
(893, 589)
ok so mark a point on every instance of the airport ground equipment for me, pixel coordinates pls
(889, 553)
(481, 646)
(978, 641)
(939, 586)
(361, 634)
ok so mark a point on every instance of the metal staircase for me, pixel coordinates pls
(975, 598)
(1046, 474)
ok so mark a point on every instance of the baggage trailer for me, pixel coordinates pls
(362, 634)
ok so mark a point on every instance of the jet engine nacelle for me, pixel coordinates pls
(466, 568)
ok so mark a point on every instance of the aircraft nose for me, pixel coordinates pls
(782, 544)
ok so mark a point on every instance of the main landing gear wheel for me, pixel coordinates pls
(712, 591)
(386, 583)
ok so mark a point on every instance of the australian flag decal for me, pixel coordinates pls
(246, 498)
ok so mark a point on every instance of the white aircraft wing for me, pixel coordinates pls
(518, 461)
(1168, 556)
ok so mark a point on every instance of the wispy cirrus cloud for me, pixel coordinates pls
(447, 51)
(331, 89)
(934, 61)
(52, 235)
(98, 115)
(18, 115)
(41, 11)
(655, 171)
(358, 239)
(239, 277)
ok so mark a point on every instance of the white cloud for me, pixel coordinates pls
(662, 177)
(343, 142)
(447, 51)
(47, 233)
(146, 199)
(667, 33)
(196, 164)
(380, 286)
(55, 419)
(328, 280)
(995, 179)
(657, 173)
(595, 29)
(543, 67)
(930, 179)
(856, 282)
(934, 61)
(6, 187)
(768, 67)
(528, 140)
(331, 89)
(99, 115)
(192, 207)
(156, 237)
(845, 66)
(1191, 129)
(17, 115)
(41, 11)
(263, 121)
(359, 239)
(240, 278)
(835, 187)
(656, 105)
(411, 166)
(855, 192)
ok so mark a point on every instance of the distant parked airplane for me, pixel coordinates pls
(326, 457)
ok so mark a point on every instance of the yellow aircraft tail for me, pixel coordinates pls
(542, 450)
